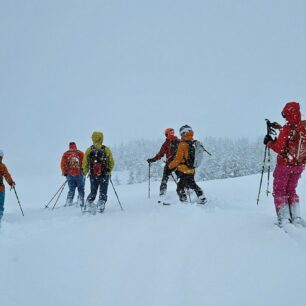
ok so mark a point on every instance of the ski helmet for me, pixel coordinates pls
(184, 129)
(169, 131)
(1, 153)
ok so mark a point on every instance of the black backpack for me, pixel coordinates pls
(174, 146)
(191, 154)
(97, 161)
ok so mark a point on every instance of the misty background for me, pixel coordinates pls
(132, 68)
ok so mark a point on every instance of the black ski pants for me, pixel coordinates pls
(166, 174)
(186, 181)
(96, 183)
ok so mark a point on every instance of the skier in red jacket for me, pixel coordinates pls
(71, 166)
(168, 148)
(288, 170)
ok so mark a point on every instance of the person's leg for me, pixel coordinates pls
(72, 186)
(281, 177)
(194, 186)
(94, 185)
(181, 185)
(81, 189)
(293, 198)
(163, 186)
(103, 192)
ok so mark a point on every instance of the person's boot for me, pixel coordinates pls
(296, 218)
(202, 199)
(182, 197)
(101, 206)
(163, 189)
(283, 216)
(69, 202)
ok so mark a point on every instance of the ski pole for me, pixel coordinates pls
(262, 172)
(18, 200)
(270, 131)
(63, 187)
(149, 191)
(174, 178)
(46, 206)
(269, 170)
(206, 150)
(116, 193)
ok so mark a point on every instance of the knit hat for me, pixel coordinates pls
(1, 153)
(184, 129)
(72, 146)
(169, 131)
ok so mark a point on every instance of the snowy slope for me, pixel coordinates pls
(226, 253)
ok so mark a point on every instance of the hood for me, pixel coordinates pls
(97, 139)
(72, 146)
(292, 113)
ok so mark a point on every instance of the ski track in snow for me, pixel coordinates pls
(227, 252)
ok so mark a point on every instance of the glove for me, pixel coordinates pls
(12, 184)
(150, 160)
(64, 174)
(267, 139)
(275, 125)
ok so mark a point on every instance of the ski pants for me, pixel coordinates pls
(2, 197)
(186, 181)
(286, 179)
(163, 186)
(73, 183)
(96, 183)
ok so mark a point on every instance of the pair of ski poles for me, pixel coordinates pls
(58, 194)
(62, 187)
(266, 160)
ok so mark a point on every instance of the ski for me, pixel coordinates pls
(164, 203)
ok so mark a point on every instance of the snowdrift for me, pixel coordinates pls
(228, 252)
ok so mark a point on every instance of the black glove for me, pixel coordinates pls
(150, 160)
(267, 139)
(275, 125)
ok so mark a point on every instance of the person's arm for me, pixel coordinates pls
(7, 176)
(110, 160)
(280, 144)
(63, 164)
(85, 162)
(161, 152)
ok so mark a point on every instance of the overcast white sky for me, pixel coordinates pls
(131, 68)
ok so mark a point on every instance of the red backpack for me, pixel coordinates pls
(297, 146)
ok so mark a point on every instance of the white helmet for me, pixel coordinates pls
(1, 153)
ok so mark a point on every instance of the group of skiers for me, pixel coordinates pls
(183, 156)
(180, 158)
(98, 162)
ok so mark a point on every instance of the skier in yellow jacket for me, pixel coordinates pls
(183, 163)
(99, 163)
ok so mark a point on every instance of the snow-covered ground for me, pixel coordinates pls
(226, 253)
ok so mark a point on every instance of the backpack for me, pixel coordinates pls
(73, 160)
(97, 160)
(296, 148)
(173, 147)
(195, 153)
